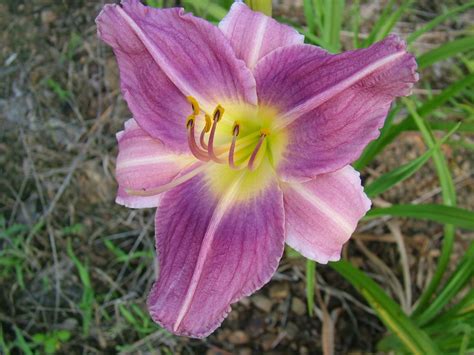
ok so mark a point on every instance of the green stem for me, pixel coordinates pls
(263, 6)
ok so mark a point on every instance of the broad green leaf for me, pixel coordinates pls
(415, 340)
(437, 213)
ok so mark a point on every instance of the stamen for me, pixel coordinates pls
(235, 133)
(194, 105)
(197, 152)
(206, 129)
(218, 112)
(253, 158)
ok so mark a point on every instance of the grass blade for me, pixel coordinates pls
(310, 279)
(448, 193)
(437, 20)
(87, 299)
(337, 15)
(403, 172)
(391, 21)
(432, 212)
(389, 134)
(309, 15)
(446, 50)
(389, 312)
(456, 282)
(379, 24)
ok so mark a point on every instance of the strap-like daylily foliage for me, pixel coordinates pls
(241, 136)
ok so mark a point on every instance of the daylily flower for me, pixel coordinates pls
(242, 137)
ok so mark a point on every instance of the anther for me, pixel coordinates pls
(235, 133)
(236, 128)
(217, 115)
(190, 120)
(194, 105)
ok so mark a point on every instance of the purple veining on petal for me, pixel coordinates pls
(212, 252)
(322, 214)
(332, 106)
(165, 55)
(144, 163)
(254, 35)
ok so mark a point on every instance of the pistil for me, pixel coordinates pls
(206, 151)
(253, 161)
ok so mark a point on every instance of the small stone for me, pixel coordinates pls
(262, 303)
(48, 17)
(238, 338)
(298, 306)
(245, 351)
(216, 351)
(245, 302)
(292, 330)
(267, 341)
(303, 350)
(279, 290)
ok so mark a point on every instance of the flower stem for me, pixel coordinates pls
(264, 6)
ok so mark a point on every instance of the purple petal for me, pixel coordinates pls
(322, 214)
(212, 252)
(144, 163)
(254, 35)
(166, 55)
(332, 106)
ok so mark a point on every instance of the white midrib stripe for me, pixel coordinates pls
(298, 111)
(161, 61)
(127, 163)
(254, 54)
(216, 218)
(323, 207)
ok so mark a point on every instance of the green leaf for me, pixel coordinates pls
(445, 51)
(403, 172)
(389, 312)
(436, 213)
